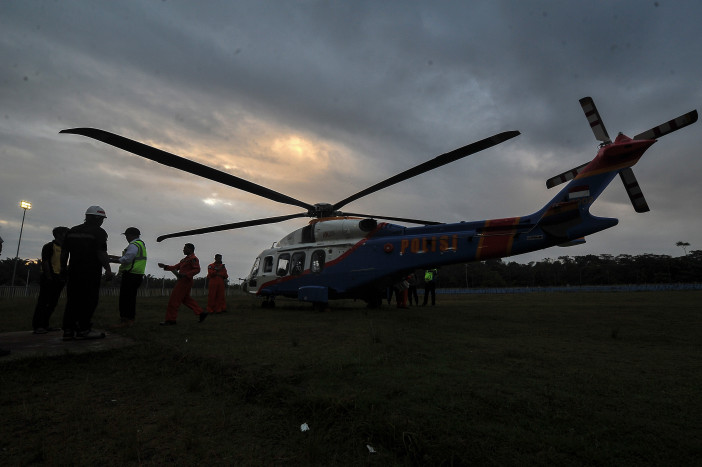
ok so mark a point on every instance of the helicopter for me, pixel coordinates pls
(341, 254)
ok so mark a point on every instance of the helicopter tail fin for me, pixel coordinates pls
(567, 216)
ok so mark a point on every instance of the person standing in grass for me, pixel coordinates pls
(51, 283)
(216, 275)
(83, 256)
(132, 265)
(185, 270)
(430, 276)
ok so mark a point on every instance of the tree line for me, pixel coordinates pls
(575, 271)
(564, 271)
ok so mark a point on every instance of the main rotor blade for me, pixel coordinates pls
(669, 126)
(438, 161)
(399, 219)
(593, 117)
(186, 165)
(235, 225)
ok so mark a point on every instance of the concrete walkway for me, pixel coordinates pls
(26, 344)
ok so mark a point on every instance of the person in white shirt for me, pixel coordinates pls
(132, 266)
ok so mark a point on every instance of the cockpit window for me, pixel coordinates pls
(283, 264)
(268, 264)
(254, 269)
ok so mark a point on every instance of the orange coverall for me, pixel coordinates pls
(188, 267)
(216, 273)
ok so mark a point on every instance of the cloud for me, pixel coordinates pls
(320, 100)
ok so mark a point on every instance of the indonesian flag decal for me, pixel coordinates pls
(578, 192)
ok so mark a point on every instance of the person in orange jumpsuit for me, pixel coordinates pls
(185, 270)
(216, 274)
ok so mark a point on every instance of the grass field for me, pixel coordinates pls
(533, 379)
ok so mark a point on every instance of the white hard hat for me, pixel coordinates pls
(95, 211)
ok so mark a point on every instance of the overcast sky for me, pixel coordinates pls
(320, 99)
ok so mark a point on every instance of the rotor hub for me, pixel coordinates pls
(322, 210)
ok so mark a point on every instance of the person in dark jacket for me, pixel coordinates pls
(83, 257)
(51, 283)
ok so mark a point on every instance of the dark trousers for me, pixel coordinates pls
(412, 293)
(430, 288)
(49, 293)
(82, 296)
(128, 294)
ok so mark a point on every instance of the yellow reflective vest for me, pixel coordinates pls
(138, 264)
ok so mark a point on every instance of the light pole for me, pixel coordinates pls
(24, 205)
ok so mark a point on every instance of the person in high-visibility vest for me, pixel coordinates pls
(185, 270)
(132, 265)
(216, 275)
(430, 276)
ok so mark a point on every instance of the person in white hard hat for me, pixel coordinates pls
(83, 256)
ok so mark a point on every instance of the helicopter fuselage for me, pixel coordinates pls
(351, 257)
(363, 266)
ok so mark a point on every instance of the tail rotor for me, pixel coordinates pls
(631, 185)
